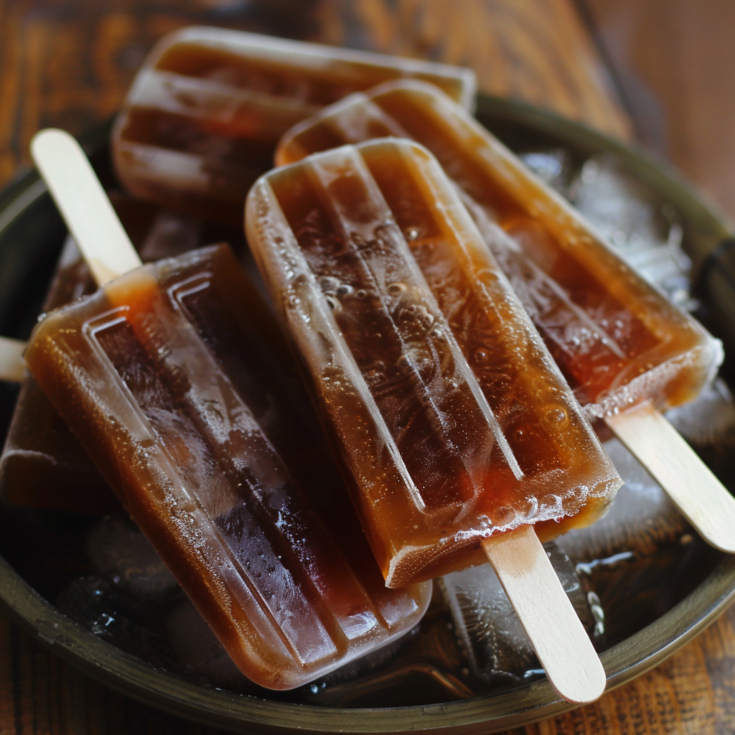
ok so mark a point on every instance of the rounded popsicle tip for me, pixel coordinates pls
(50, 136)
(719, 530)
(582, 683)
(52, 145)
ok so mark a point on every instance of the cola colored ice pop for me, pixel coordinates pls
(448, 412)
(166, 377)
(431, 378)
(626, 351)
(206, 110)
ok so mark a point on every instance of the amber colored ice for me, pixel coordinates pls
(169, 378)
(207, 108)
(448, 412)
(617, 340)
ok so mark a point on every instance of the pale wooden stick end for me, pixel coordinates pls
(700, 496)
(561, 642)
(84, 205)
(12, 367)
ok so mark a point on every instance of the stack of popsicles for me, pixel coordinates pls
(625, 350)
(412, 296)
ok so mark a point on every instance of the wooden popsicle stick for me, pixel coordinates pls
(84, 205)
(12, 367)
(686, 479)
(558, 636)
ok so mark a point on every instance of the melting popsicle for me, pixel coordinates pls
(460, 433)
(205, 112)
(166, 377)
(625, 350)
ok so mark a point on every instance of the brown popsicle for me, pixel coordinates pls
(42, 464)
(207, 108)
(461, 435)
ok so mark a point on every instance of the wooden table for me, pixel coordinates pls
(68, 63)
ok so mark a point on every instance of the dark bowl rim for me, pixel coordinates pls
(521, 706)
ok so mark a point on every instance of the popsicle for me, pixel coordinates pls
(206, 110)
(626, 351)
(460, 433)
(42, 464)
(166, 377)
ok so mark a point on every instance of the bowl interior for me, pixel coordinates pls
(33, 575)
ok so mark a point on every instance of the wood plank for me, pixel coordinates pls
(70, 65)
(675, 62)
(530, 50)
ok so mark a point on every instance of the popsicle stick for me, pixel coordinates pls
(12, 367)
(84, 205)
(690, 484)
(561, 642)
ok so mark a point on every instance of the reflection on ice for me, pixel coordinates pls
(554, 167)
(710, 420)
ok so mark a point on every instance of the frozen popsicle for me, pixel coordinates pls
(626, 351)
(42, 464)
(206, 110)
(461, 435)
(165, 376)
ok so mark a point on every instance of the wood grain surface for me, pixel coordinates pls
(68, 63)
(675, 64)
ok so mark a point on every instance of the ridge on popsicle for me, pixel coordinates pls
(626, 351)
(152, 376)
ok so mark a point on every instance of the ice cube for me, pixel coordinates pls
(646, 233)
(553, 166)
(120, 551)
(640, 519)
